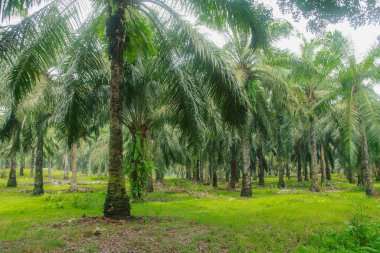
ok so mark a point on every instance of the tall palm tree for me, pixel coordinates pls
(128, 25)
(258, 80)
(29, 48)
(312, 74)
(359, 114)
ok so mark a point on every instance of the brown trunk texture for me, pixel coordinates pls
(314, 165)
(322, 161)
(299, 169)
(367, 172)
(39, 173)
(74, 180)
(246, 188)
(22, 163)
(66, 166)
(116, 204)
(234, 170)
(32, 163)
(280, 165)
(12, 181)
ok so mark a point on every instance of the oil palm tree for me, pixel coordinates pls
(258, 80)
(128, 24)
(359, 114)
(312, 74)
(29, 48)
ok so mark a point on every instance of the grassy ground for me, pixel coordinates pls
(185, 217)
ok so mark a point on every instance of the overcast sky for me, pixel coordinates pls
(363, 38)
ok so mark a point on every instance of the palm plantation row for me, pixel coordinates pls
(142, 80)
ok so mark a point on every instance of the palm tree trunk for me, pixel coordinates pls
(253, 169)
(322, 161)
(197, 175)
(262, 166)
(89, 170)
(328, 171)
(314, 165)
(214, 176)
(74, 180)
(227, 176)
(188, 169)
(299, 168)
(361, 182)
(270, 166)
(246, 188)
(310, 167)
(49, 167)
(234, 170)
(150, 187)
(305, 170)
(209, 170)
(281, 183)
(32, 163)
(378, 170)
(22, 163)
(159, 176)
(201, 178)
(12, 181)
(66, 165)
(367, 172)
(255, 173)
(99, 172)
(149, 157)
(360, 169)
(332, 163)
(287, 170)
(141, 169)
(3, 169)
(116, 203)
(136, 173)
(39, 173)
(350, 176)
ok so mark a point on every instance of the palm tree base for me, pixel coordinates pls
(12, 182)
(246, 193)
(371, 192)
(117, 206)
(38, 190)
(315, 189)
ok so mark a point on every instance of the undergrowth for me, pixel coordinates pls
(360, 235)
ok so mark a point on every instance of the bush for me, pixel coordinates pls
(81, 202)
(361, 235)
(55, 200)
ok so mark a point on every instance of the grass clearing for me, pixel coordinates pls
(186, 216)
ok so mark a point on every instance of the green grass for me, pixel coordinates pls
(273, 220)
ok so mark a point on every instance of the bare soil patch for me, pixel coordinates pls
(138, 234)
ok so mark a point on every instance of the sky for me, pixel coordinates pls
(363, 38)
